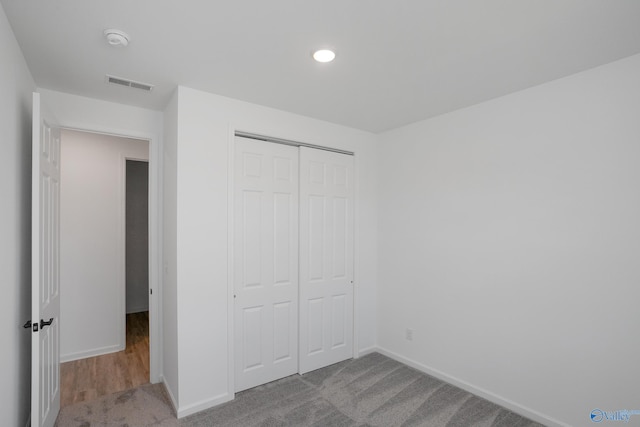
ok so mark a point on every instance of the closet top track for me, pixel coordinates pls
(288, 142)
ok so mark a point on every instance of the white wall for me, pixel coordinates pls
(205, 125)
(92, 241)
(79, 112)
(510, 243)
(16, 87)
(169, 280)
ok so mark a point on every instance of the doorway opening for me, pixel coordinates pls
(104, 265)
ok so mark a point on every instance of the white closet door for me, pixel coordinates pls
(326, 258)
(266, 262)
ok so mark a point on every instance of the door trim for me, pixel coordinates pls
(231, 171)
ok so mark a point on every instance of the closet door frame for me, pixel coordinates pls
(233, 130)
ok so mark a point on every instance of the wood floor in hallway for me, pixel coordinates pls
(87, 379)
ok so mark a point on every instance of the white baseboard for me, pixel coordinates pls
(492, 397)
(203, 404)
(90, 353)
(368, 350)
(172, 398)
(187, 410)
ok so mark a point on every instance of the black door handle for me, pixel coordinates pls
(44, 323)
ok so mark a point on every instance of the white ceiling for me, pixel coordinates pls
(398, 61)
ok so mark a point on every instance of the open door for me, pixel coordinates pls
(45, 273)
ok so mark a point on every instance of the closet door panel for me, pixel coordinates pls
(266, 199)
(326, 258)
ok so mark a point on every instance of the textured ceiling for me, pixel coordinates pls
(398, 61)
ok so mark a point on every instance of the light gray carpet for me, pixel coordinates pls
(370, 391)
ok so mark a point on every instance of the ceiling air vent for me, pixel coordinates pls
(129, 83)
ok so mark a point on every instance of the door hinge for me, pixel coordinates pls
(151, 291)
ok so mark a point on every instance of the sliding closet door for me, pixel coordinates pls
(326, 258)
(265, 262)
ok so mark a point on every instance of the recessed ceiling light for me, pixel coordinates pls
(324, 55)
(116, 37)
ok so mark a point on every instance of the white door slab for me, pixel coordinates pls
(265, 262)
(326, 258)
(45, 280)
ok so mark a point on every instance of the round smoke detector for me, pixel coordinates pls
(116, 37)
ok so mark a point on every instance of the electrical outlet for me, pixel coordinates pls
(408, 334)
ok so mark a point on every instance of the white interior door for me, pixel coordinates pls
(45, 283)
(326, 258)
(265, 262)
